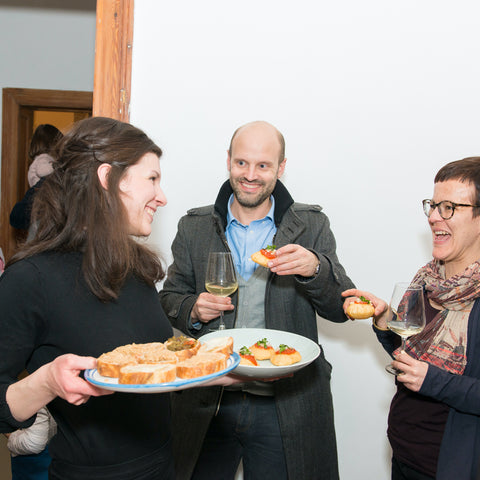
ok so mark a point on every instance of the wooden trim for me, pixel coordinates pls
(17, 102)
(113, 59)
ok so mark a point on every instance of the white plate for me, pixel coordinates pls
(108, 383)
(308, 349)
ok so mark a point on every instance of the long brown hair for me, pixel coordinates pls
(73, 213)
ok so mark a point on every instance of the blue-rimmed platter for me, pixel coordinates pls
(108, 383)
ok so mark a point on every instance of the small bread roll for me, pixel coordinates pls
(147, 374)
(360, 310)
(285, 356)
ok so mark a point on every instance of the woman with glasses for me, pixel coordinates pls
(434, 420)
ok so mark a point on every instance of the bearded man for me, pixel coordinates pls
(284, 428)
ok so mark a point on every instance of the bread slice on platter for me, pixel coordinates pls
(201, 364)
(146, 373)
(156, 355)
(218, 345)
(109, 364)
(148, 362)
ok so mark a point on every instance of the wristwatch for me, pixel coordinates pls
(317, 268)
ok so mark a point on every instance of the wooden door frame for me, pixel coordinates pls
(111, 98)
(113, 59)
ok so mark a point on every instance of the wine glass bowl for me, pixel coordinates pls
(221, 278)
(406, 316)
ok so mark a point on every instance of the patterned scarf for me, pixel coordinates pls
(443, 342)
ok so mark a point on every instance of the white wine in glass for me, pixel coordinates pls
(406, 314)
(221, 279)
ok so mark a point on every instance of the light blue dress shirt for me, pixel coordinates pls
(247, 239)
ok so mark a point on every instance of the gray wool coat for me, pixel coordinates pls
(304, 402)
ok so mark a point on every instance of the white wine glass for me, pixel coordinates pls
(221, 279)
(406, 314)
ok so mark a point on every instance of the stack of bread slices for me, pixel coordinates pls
(177, 358)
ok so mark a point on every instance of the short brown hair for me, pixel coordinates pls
(466, 170)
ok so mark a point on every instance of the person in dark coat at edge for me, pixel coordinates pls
(40, 153)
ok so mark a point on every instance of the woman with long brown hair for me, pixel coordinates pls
(81, 286)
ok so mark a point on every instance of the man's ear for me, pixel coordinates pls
(103, 171)
(281, 167)
(229, 161)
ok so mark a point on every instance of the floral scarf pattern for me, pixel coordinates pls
(443, 342)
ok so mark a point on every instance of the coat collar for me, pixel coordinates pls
(283, 201)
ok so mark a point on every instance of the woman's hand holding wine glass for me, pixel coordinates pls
(221, 279)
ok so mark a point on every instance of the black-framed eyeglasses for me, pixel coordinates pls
(446, 209)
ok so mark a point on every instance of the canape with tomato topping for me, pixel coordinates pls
(247, 358)
(285, 355)
(263, 256)
(262, 350)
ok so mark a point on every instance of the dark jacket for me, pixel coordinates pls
(304, 402)
(21, 211)
(459, 455)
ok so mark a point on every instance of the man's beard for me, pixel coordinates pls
(249, 201)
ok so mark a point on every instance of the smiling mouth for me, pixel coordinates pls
(150, 211)
(249, 185)
(440, 234)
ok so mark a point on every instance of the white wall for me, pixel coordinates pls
(47, 48)
(372, 97)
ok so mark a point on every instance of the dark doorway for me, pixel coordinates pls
(23, 110)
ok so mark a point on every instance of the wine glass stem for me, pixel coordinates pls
(404, 339)
(222, 324)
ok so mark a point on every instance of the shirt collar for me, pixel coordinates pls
(231, 218)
